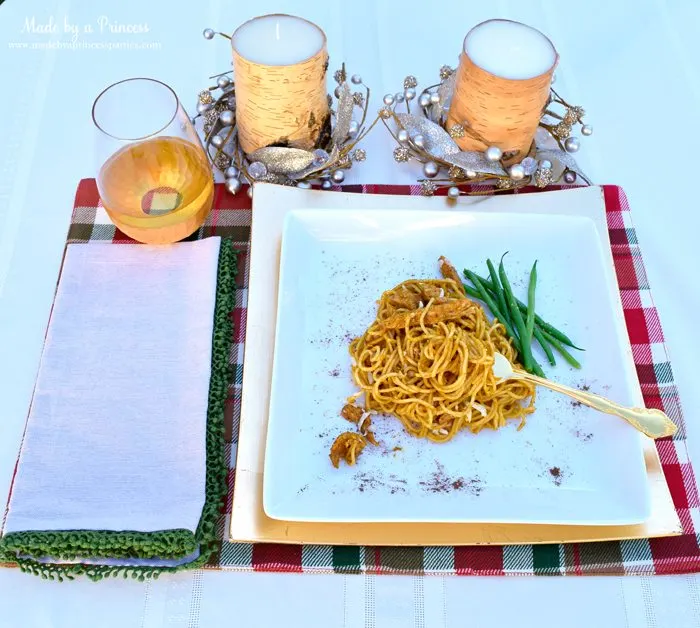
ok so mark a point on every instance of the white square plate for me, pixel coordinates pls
(568, 465)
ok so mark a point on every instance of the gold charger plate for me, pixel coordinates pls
(249, 522)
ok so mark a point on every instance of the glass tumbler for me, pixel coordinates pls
(154, 179)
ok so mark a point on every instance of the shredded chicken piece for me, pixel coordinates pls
(452, 310)
(431, 292)
(351, 413)
(448, 271)
(348, 446)
(369, 435)
(361, 418)
(404, 300)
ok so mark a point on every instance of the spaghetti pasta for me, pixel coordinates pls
(427, 359)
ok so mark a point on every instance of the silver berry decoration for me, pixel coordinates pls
(208, 33)
(388, 100)
(424, 100)
(402, 135)
(257, 170)
(233, 185)
(356, 79)
(410, 93)
(203, 107)
(517, 172)
(571, 144)
(435, 98)
(304, 185)
(354, 128)
(545, 164)
(326, 185)
(471, 174)
(570, 176)
(399, 97)
(430, 169)
(419, 140)
(493, 153)
(231, 172)
(226, 118)
(586, 130)
(338, 176)
(223, 81)
(453, 192)
(217, 141)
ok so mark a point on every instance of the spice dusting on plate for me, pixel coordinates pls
(583, 436)
(441, 482)
(583, 388)
(556, 474)
(368, 482)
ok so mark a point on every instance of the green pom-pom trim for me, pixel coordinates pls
(164, 544)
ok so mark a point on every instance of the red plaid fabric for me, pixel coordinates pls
(231, 217)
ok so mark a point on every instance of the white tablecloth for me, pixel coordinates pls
(633, 65)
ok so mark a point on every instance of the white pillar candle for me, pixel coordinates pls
(502, 86)
(278, 40)
(510, 50)
(280, 64)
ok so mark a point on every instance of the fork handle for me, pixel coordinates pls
(650, 421)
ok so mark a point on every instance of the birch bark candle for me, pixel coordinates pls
(279, 65)
(502, 85)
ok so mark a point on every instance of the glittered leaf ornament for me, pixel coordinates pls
(344, 115)
(283, 160)
(437, 141)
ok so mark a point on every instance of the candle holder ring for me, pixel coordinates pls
(422, 135)
(335, 152)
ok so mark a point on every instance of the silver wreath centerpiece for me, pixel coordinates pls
(325, 165)
(422, 136)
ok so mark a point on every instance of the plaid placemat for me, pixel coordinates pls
(231, 217)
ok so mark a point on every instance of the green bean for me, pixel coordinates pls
(544, 325)
(545, 345)
(472, 292)
(537, 369)
(476, 294)
(517, 318)
(530, 315)
(561, 349)
(553, 331)
(496, 287)
(536, 332)
(486, 298)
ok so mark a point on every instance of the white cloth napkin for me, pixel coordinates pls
(115, 438)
